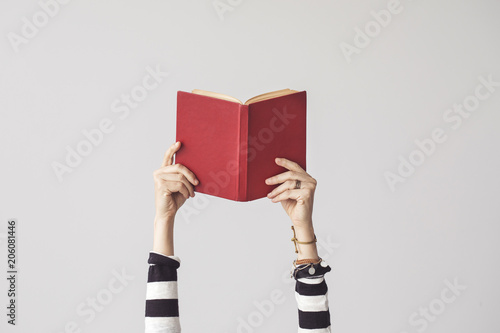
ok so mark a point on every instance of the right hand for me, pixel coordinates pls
(174, 184)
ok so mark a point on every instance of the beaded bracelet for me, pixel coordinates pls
(307, 261)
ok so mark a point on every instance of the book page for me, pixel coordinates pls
(216, 95)
(269, 95)
(258, 98)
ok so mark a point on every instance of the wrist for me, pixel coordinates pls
(164, 219)
(303, 224)
(163, 238)
(305, 234)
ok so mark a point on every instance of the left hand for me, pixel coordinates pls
(298, 203)
(174, 184)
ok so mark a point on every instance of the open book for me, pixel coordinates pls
(231, 146)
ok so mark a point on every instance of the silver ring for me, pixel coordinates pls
(297, 184)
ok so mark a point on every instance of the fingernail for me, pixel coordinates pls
(267, 181)
(196, 181)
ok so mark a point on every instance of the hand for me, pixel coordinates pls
(298, 203)
(173, 185)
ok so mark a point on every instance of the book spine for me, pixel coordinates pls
(243, 153)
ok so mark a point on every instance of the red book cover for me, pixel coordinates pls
(231, 147)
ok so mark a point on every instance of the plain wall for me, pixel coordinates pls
(394, 250)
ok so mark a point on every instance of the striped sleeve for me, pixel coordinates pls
(162, 307)
(311, 294)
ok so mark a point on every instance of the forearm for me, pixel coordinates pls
(162, 306)
(163, 237)
(311, 291)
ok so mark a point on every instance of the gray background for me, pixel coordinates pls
(391, 251)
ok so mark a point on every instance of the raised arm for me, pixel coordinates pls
(173, 186)
(296, 194)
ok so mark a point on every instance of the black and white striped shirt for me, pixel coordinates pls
(162, 306)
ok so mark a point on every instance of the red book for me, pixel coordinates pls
(231, 146)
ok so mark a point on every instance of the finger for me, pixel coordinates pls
(298, 195)
(172, 186)
(177, 177)
(290, 165)
(169, 154)
(180, 168)
(287, 175)
(288, 185)
(187, 173)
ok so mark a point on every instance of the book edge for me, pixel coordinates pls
(242, 157)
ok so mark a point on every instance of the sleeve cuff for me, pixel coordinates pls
(161, 259)
(319, 270)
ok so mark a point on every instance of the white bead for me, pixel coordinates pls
(323, 264)
(312, 271)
